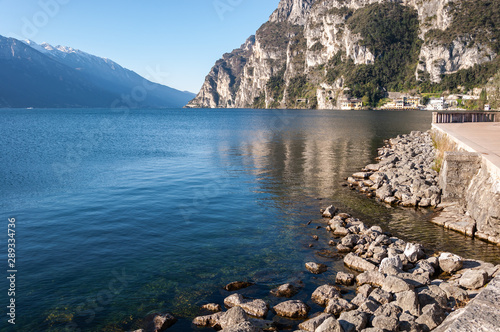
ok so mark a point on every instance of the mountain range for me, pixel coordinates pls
(44, 76)
(315, 53)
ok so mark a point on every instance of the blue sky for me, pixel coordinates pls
(172, 42)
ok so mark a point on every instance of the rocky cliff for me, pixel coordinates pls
(313, 52)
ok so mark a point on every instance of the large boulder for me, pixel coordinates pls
(450, 263)
(473, 279)
(292, 309)
(359, 264)
(324, 293)
(232, 317)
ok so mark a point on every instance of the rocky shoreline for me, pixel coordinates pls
(404, 175)
(399, 286)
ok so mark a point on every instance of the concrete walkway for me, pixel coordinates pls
(483, 137)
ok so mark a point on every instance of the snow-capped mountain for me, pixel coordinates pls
(61, 76)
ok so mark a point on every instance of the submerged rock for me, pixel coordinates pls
(286, 290)
(237, 285)
(159, 322)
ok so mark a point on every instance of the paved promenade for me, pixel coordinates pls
(483, 137)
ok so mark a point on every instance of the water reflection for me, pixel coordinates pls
(311, 157)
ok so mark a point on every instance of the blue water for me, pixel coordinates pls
(123, 213)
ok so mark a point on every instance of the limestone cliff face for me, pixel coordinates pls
(287, 62)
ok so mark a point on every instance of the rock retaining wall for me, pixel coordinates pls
(471, 193)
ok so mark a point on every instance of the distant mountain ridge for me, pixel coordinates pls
(35, 75)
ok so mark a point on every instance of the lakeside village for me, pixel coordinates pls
(405, 101)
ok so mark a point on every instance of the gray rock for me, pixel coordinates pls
(407, 323)
(330, 325)
(337, 305)
(324, 293)
(394, 284)
(423, 267)
(313, 323)
(343, 278)
(389, 310)
(359, 299)
(233, 300)
(417, 280)
(414, 252)
(329, 212)
(432, 295)
(343, 249)
(353, 321)
(340, 231)
(450, 263)
(385, 323)
(292, 309)
(380, 296)
(454, 293)
(232, 317)
(408, 301)
(208, 320)
(390, 262)
(365, 290)
(242, 327)
(350, 240)
(286, 290)
(316, 268)
(473, 279)
(359, 264)
(373, 278)
(369, 306)
(432, 316)
(257, 308)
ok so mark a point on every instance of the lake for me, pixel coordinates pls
(120, 213)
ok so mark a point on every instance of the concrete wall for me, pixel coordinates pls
(469, 179)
